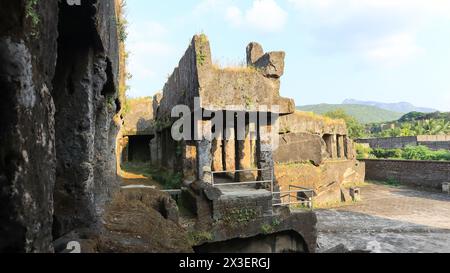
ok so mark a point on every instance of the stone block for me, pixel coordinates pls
(300, 147)
(355, 193)
(271, 64)
(254, 53)
(345, 195)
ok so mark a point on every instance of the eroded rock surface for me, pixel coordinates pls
(57, 136)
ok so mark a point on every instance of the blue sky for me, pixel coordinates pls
(383, 50)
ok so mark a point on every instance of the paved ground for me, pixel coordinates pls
(389, 220)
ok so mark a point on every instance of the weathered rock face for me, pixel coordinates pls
(57, 133)
(254, 52)
(27, 144)
(86, 102)
(307, 138)
(327, 180)
(301, 147)
(138, 120)
(311, 123)
(235, 88)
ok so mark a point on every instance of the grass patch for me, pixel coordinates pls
(198, 237)
(320, 118)
(391, 182)
(141, 168)
(166, 179)
(238, 217)
(270, 228)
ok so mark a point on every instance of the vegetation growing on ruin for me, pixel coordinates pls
(319, 118)
(236, 217)
(122, 33)
(201, 58)
(234, 67)
(198, 237)
(203, 38)
(162, 123)
(270, 228)
(248, 101)
(267, 229)
(201, 55)
(122, 23)
(31, 14)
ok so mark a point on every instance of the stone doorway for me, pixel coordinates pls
(139, 148)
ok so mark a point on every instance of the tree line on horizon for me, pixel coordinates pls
(411, 124)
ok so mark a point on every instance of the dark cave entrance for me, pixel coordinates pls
(139, 148)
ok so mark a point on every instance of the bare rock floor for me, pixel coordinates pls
(389, 220)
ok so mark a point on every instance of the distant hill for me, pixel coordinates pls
(400, 107)
(363, 113)
(416, 116)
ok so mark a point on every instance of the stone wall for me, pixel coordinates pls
(432, 142)
(436, 145)
(427, 174)
(316, 153)
(235, 210)
(327, 180)
(57, 132)
(27, 137)
(236, 93)
(301, 147)
(138, 119)
(243, 88)
(305, 122)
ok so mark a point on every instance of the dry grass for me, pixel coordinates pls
(234, 67)
(139, 100)
(134, 225)
(320, 118)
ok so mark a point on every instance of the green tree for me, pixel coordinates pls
(355, 129)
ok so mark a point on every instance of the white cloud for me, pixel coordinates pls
(337, 7)
(382, 31)
(234, 16)
(262, 15)
(266, 15)
(392, 50)
(206, 6)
